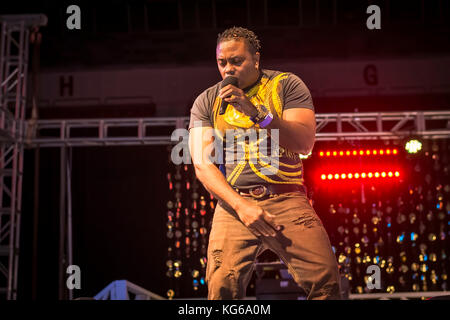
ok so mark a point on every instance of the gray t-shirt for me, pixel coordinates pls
(275, 90)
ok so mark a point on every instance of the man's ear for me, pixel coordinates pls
(256, 57)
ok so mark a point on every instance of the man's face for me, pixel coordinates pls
(235, 59)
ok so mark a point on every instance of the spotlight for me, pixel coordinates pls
(305, 156)
(413, 146)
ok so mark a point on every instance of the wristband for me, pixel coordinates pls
(267, 120)
(261, 115)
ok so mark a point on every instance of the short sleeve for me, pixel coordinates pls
(296, 94)
(200, 113)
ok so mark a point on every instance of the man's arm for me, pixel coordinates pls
(297, 129)
(206, 171)
(253, 216)
(297, 126)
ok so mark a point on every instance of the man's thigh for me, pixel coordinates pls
(303, 242)
(232, 250)
(231, 244)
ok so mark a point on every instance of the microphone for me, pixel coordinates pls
(228, 80)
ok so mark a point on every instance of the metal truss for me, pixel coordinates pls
(334, 126)
(125, 290)
(13, 78)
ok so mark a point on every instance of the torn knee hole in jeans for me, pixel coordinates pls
(217, 255)
(305, 220)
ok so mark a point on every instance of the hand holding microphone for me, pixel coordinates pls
(231, 94)
(228, 80)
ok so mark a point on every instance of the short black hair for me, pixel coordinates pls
(236, 33)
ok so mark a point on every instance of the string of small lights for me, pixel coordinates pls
(190, 209)
(402, 227)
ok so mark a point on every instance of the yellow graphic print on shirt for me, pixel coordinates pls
(269, 168)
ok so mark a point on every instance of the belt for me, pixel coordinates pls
(262, 191)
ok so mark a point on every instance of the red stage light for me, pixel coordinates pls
(388, 151)
(394, 151)
(321, 153)
(341, 153)
(334, 153)
(361, 152)
(367, 152)
(381, 151)
(328, 153)
(347, 153)
(374, 151)
(358, 175)
(354, 152)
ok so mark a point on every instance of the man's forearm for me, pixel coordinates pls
(294, 136)
(214, 181)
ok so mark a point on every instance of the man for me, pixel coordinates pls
(262, 203)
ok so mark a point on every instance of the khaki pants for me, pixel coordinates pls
(302, 244)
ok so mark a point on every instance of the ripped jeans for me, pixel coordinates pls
(302, 244)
